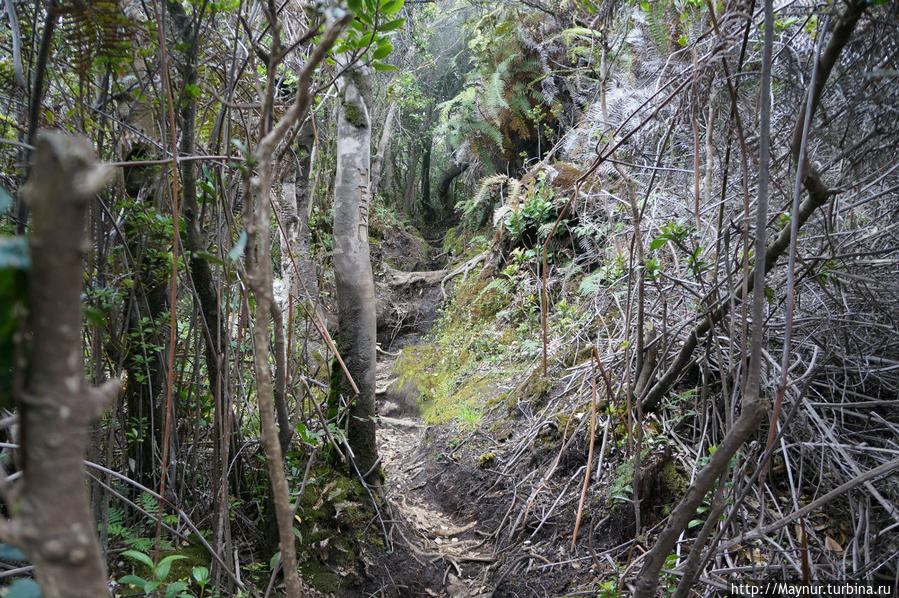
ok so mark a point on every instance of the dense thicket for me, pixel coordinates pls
(667, 351)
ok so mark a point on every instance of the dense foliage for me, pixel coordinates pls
(592, 180)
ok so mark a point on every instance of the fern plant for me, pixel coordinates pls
(507, 98)
(475, 211)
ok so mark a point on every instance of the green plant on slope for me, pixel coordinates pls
(160, 573)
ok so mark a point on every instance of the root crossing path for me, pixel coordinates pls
(433, 538)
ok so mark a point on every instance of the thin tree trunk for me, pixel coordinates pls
(754, 406)
(259, 269)
(259, 272)
(285, 428)
(214, 331)
(353, 273)
(52, 520)
(427, 210)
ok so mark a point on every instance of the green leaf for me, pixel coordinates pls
(237, 251)
(657, 242)
(391, 7)
(14, 253)
(381, 66)
(139, 556)
(174, 588)
(151, 585)
(23, 588)
(162, 569)
(134, 580)
(354, 5)
(274, 560)
(393, 25)
(695, 522)
(8, 552)
(201, 575)
(364, 41)
(382, 51)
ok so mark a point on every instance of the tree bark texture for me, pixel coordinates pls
(51, 509)
(215, 333)
(383, 154)
(259, 271)
(443, 187)
(352, 270)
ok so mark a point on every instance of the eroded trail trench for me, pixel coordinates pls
(449, 555)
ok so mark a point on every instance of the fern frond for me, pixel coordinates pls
(95, 30)
(502, 286)
(590, 284)
(494, 94)
(655, 13)
(514, 193)
(483, 190)
(489, 130)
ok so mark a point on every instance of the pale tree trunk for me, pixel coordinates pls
(352, 270)
(383, 154)
(259, 272)
(294, 207)
(299, 277)
(51, 510)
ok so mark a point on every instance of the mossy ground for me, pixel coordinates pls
(464, 367)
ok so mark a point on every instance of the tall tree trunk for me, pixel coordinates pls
(411, 180)
(383, 154)
(214, 330)
(51, 521)
(259, 273)
(427, 210)
(352, 270)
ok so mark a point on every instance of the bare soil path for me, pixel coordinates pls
(430, 534)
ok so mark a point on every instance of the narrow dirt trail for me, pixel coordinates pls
(429, 533)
